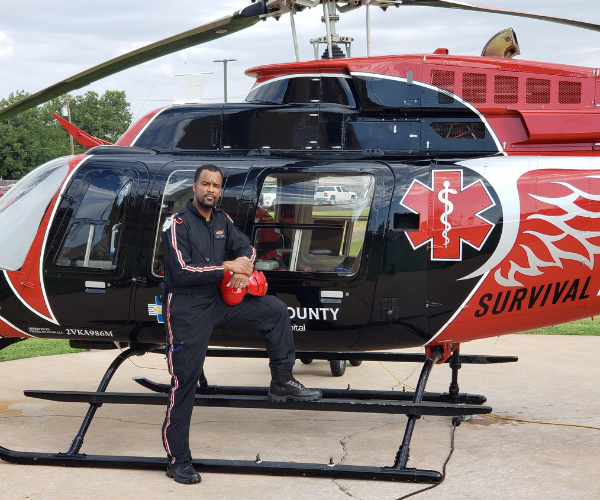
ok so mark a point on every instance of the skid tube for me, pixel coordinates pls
(452, 404)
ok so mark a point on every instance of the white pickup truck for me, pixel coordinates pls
(334, 195)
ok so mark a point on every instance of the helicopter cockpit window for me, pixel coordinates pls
(93, 236)
(23, 208)
(312, 222)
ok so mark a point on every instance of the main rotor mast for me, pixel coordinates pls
(331, 15)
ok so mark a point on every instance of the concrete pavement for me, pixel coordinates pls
(555, 380)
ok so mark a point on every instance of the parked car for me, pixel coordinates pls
(267, 196)
(334, 194)
(4, 190)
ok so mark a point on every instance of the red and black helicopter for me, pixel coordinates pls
(394, 202)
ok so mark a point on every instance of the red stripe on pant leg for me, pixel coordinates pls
(170, 358)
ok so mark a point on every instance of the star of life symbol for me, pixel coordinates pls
(449, 214)
(156, 310)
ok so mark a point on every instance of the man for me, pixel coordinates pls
(194, 242)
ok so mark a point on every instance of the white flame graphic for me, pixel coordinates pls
(567, 204)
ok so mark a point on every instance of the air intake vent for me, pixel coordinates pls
(474, 87)
(459, 130)
(443, 80)
(569, 92)
(506, 89)
(538, 91)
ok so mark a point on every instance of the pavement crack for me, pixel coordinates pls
(346, 439)
(344, 490)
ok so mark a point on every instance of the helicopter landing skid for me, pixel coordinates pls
(353, 394)
(449, 404)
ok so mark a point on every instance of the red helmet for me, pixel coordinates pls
(257, 285)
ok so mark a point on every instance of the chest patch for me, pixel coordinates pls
(220, 235)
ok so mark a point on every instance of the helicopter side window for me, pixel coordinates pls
(377, 93)
(272, 92)
(93, 237)
(178, 191)
(312, 222)
(303, 90)
(336, 90)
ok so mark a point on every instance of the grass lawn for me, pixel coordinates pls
(30, 348)
(588, 326)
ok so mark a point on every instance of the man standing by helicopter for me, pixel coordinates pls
(195, 241)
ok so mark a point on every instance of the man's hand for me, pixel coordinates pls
(241, 265)
(238, 281)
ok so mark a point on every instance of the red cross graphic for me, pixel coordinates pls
(449, 214)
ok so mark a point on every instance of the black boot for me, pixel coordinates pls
(183, 473)
(284, 386)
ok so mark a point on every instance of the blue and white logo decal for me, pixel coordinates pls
(156, 310)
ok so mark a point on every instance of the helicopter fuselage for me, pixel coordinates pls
(467, 206)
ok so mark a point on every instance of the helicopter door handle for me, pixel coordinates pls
(95, 287)
(331, 296)
(432, 304)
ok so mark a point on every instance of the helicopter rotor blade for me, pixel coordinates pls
(243, 18)
(450, 4)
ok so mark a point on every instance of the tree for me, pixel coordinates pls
(106, 117)
(34, 137)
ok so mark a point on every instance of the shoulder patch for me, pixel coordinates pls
(168, 222)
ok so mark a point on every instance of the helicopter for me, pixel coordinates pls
(394, 202)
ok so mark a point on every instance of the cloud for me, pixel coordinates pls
(44, 42)
(6, 45)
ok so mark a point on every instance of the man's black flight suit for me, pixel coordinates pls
(194, 249)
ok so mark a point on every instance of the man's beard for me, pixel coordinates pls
(203, 202)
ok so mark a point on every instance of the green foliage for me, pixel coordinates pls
(34, 137)
(31, 348)
(588, 326)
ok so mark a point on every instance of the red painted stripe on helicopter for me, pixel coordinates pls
(180, 258)
(7, 329)
(132, 132)
(27, 282)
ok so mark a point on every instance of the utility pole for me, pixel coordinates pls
(67, 100)
(225, 61)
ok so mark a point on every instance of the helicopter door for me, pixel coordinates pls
(90, 264)
(317, 231)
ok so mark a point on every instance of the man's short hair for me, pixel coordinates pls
(210, 168)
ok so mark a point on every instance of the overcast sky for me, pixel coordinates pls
(44, 41)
